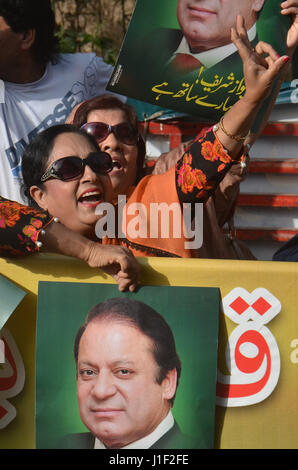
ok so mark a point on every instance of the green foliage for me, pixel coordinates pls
(72, 41)
(92, 25)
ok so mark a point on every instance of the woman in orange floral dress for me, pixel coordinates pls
(192, 180)
(197, 174)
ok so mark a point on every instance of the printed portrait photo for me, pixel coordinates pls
(126, 371)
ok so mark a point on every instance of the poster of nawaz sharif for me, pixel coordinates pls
(126, 390)
(153, 67)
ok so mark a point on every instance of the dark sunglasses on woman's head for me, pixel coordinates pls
(68, 168)
(124, 131)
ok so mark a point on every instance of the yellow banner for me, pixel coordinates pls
(258, 344)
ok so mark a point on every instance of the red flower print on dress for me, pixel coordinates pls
(185, 178)
(189, 178)
(200, 179)
(207, 151)
(9, 216)
(220, 153)
(31, 231)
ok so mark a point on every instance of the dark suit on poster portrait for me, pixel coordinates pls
(154, 53)
(173, 439)
(104, 372)
(160, 68)
(127, 374)
(157, 50)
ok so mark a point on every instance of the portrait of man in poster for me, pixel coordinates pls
(128, 371)
(188, 61)
(204, 38)
(126, 374)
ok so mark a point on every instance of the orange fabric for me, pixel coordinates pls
(198, 173)
(151, 189)
(158, 189)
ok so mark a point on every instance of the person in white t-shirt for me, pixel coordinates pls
(38, 85)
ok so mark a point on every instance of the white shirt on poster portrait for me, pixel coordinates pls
(212, 56)
(147, 441)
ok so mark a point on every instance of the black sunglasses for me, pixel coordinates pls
(68, 168)
(124, 131)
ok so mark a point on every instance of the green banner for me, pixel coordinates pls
(159, 32)
(192, 315)
(10, 295)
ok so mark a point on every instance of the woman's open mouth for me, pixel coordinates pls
(117, 166)
(91, 198)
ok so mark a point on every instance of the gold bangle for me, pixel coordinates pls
(238, 138)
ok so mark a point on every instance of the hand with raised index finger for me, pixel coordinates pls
(260, 65)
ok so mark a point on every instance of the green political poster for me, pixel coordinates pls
(115, 385)
(10, 295)
(178, 55)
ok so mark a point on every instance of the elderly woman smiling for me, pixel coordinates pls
(114, 125)
(66, 175)
(72, 188)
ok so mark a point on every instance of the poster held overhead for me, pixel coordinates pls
(183, 59)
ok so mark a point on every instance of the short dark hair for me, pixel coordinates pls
(148, 321)
(107, 101)
(22, 15)
(36, 155)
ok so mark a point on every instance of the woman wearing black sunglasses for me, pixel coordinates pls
(193, 179)
(114, 125)
(65, 174)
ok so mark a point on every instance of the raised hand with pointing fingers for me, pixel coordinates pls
(261, 66)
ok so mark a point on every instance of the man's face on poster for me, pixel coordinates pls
(206, 24)
(119, 398)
